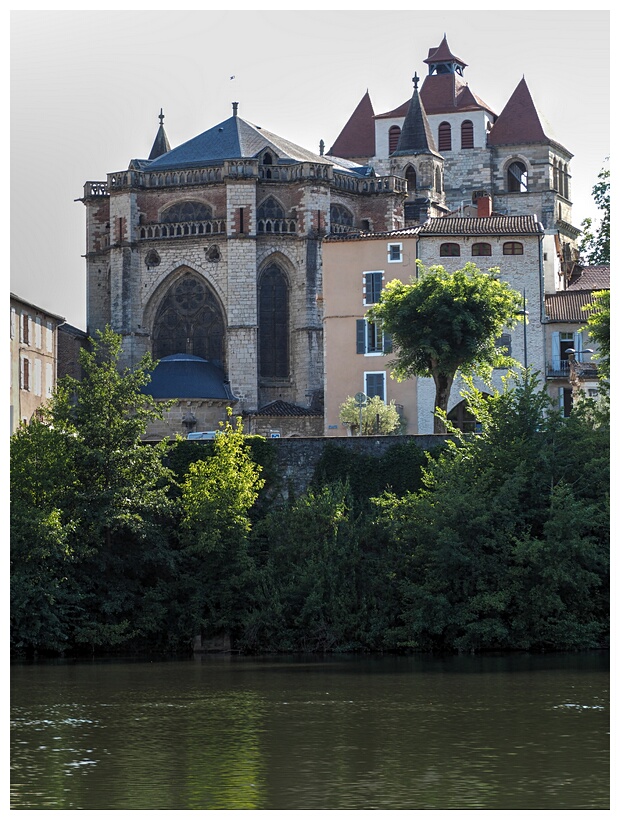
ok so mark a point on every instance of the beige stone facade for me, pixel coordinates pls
(33, 359)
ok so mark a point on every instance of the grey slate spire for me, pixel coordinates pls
(416, 136)
(161, 144)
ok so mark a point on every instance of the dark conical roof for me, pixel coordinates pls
(161, 144)
(416, 136)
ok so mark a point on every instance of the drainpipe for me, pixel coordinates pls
(543, 315)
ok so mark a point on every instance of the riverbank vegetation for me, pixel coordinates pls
(495, 541)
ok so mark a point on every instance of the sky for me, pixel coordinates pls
(87, 86)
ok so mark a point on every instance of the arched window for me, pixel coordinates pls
(449, 249)
(273, 321)
(187, 212)
(564, 181)
(467, 134)
(513, 249)
(270, 208)
(412, 179)
(270, 217)
(189, 320)
(556, 176)
(438, 180)
(267, 159)
(341, 219)
(394, 136)
(481, 249)
(517, 178)
(445, 137)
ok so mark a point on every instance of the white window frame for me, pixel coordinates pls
(376, 373)
(49, 337)
(37, 332)
(364, 275)
(391, 245)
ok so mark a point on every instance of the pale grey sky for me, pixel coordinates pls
(87, 87)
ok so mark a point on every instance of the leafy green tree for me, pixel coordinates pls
(508, 542)
(445, 322)
(599, 329)
(594, 248)
(106, 497)
(377, 417)
(216, 498)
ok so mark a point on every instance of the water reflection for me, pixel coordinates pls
(383, 733)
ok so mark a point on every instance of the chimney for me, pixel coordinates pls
(484, 206)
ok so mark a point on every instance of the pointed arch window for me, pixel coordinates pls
(412, 179)
(394, 136)
(517, 178)
(187, 212)
(445, 137)
(467, 134)
(341, 219)
(273, 324)
(189, 320)
(270, 215)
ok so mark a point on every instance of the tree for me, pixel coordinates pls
(594, 248)
(444, 322)
(377, 417)
(96, 501)
(599, 329)
(216, 497)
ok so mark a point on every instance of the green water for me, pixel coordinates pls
(523, 732)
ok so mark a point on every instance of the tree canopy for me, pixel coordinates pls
(445, 322)
(599, 329)
(594, 248)
(377, 417)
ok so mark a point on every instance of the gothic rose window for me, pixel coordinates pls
(189, 320)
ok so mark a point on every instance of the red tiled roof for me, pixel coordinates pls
(357, 138)
(594, 277)
(519, 122)
(359, 235)
(442, 54)
(567, 306)
(443, 94)
(482, 226)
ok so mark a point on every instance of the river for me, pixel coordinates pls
(288, 733)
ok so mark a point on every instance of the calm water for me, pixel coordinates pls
(345, 733)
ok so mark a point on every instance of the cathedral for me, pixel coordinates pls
(208, 255)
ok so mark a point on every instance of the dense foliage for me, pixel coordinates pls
(445, 322)
(498, 540)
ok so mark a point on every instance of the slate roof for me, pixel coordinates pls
(416, 136)
(567, 306)
(285, 408)
(593, 277)
(182, 376)
(234, 138)
(482, 226)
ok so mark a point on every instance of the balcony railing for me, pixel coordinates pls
(177, 230)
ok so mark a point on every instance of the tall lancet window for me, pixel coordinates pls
(273, 324)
